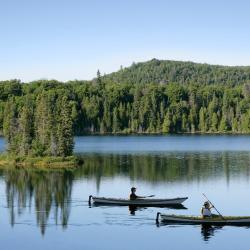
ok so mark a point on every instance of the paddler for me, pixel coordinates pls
(206, 210)
(133, 196)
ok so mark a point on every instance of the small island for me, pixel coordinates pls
(39, 132)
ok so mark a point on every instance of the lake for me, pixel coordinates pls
(49, 209)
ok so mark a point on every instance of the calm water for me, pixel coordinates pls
(49, 209)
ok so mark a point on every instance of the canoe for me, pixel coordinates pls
(137, 202)
(217, 220)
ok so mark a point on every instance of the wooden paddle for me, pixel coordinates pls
(214, 207)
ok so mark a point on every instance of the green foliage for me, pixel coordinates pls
(152, 97)
(39, 126)
(64, 134)
(164, 71)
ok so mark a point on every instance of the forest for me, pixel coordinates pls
(152, 97)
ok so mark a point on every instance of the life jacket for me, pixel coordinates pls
(206, 212)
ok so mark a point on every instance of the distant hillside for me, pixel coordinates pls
(163, 71)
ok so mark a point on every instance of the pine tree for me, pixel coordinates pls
(64, 136)
(235, 125)
(184, 125)
(223, 124)
(166, 127)
(10, 126)
(43, 126)
(245, 123)
(193, 119)
(26, 128)
(98, 75)
(115, 123)
(202, 120)
(214, 125)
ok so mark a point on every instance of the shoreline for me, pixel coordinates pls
(161, 133)
(69, 162)
(156, 133)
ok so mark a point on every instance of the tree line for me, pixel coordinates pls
(41, 117)
(164, 71)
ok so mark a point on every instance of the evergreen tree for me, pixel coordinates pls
(64, 136)
(44, 125)
(202, 121)
(98, 75)
(10, 126)
(166, 127)
(214, 122)
(115, 123)
(26, 127)
(223, 124)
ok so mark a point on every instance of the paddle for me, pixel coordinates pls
(214, 207)
(143, 197)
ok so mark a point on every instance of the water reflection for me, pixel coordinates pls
(48, 190)
(132, 208)
(48, 193)
(169, 167)
(207, 231)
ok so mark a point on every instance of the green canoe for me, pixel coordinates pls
(216, 220)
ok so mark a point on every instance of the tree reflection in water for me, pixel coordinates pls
(49, 189)
(171, 167)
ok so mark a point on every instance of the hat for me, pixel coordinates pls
(133, 188)
(206, 203)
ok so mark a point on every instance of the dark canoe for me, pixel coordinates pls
(137, 202)
(218, 220)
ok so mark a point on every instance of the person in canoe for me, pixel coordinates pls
(133, 196)
(206, 210)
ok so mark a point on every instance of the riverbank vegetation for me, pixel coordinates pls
(152, 97)
(46, 162)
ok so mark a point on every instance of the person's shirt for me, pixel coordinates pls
(206, 212)
(133, 196)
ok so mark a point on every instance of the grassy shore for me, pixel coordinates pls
(7, 161)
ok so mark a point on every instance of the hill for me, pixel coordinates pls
(164, 71)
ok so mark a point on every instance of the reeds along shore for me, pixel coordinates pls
(69, 162)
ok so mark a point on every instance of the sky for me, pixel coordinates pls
(72, 39)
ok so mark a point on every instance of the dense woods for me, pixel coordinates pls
(38, 125)
(162, 71)
(41, 117)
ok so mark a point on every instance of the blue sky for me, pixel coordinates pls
(71, 39)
